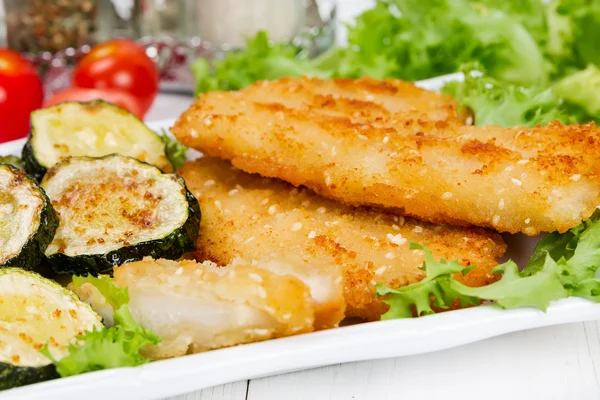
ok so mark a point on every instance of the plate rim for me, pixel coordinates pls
(368, 341)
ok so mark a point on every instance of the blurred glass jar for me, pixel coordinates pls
(36, 26)
(227, 23)
(165, 19)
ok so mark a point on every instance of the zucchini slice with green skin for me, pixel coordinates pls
(114, 210)
(27, 220)
(36, 311)
(93, 129)
(14, 161)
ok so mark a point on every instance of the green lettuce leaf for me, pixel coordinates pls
(495, 102)
(115, 295)
(560, 41)
(425, 38)
(584, 19)
(554, 244)
(587, 33)
(564, 245)
(419, 295)
(406, 39)
(114, 347)
(526, 43)
(562, 265)
(260, 59)
(579, 250)
(573, 26)
(582, 91)
(586, 255)
(176, 152)
(530, 13)
(574, 99)
(515, 290)
(588, 289)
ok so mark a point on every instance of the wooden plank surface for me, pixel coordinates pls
(551, 363)
(561, 362)
(230, 391)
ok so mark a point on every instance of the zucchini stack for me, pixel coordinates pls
(96, 193)
(34, 311)
(106, 174)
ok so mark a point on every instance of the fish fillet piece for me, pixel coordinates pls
(196, 307)
(364, 99)
(324, 280)
(527, 180)
(259, 218)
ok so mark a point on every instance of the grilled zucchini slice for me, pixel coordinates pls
(116, 209)
(27, 220)
(93, 129)
(35, 311)
(14, 161)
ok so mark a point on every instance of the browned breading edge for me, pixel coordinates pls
(401, 150)
(257, 217)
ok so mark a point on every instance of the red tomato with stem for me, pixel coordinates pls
(114, 96)
(119, 64)
(21, 92)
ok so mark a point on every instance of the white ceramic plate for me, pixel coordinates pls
(351, 343)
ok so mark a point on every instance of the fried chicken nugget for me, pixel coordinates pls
(260, 218)
(374, 143)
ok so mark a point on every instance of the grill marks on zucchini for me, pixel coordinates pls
(93, 129)
(27, 220)
(116, 209)
(36, 311)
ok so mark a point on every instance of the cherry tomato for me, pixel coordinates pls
(21, 92)
(121, 64)
(114, 96)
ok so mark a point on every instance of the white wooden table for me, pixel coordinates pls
(561, 362)
(551, 363)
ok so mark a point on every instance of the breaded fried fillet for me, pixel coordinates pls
(196, 307)
(362, 98)
(260, 218)
(324, 281)
(370, 152)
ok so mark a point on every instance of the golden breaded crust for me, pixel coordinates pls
(379, 151)
(258, 217)
(364, 99)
